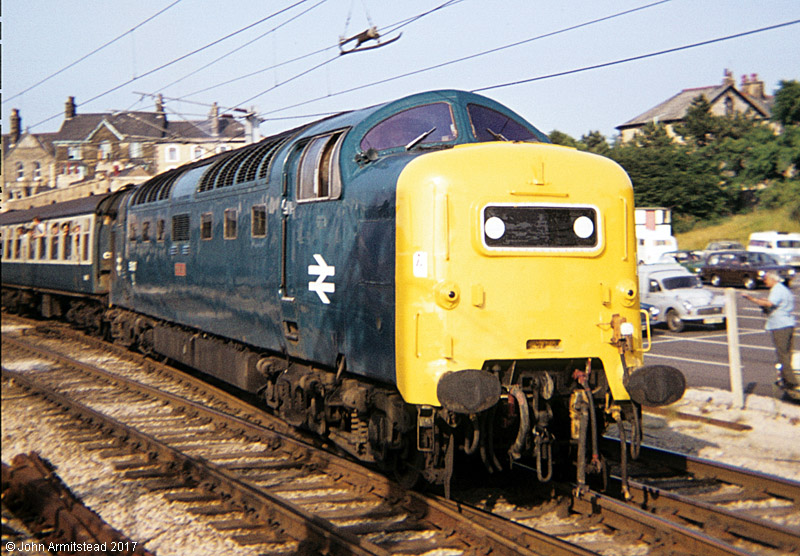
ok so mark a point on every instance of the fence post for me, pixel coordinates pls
(734, 356)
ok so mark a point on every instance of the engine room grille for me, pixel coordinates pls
(180, 227)
(534, 227)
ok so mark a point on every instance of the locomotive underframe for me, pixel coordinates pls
(547, 409)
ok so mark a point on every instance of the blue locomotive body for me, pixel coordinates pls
(404, 279)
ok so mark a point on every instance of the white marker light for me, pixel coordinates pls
(583, 227)
(494, 228)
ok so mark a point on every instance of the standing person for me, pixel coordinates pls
(780, 322)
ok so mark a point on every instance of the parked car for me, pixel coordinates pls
(722, 245)
(655, 315)
(679, 296)
(746, 268)
(784, 246)
(690, 260)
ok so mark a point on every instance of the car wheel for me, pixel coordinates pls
(715, 280)
(674, 321)
(749, 282)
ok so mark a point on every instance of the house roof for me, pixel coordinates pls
(145, 126)
(674, 109)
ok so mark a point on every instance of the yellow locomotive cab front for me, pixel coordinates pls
(513, 253)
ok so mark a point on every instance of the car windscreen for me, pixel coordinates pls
(677, 282)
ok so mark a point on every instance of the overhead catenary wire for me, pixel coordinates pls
(470, 57)
(93, 52)
(180, 58)
(639, 57)
(391, 27)
(238, 48)
(549, 76)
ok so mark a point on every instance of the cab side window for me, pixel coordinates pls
(319, 177)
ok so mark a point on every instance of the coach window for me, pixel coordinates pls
(86, 244)
(54, 242)
(66, 231)
(231, 222)
(42, 238)
(146, 230)
(160, 229)
(206, 225)
(319, 177)
(132, 232)
(259, 221)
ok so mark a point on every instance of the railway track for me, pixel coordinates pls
(282, 492)
(594, 523)
(739, 505)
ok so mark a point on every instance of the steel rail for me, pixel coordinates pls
(500, 536)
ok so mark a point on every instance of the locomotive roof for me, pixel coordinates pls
(252, 162)
(84, 205)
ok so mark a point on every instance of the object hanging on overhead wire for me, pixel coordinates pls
(370, 34)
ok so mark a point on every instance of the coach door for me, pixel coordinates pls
(311, 183)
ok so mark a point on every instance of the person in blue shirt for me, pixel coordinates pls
(780, 322)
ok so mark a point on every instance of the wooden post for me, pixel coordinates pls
(734, 357)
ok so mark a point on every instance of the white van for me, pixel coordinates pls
(650, 245)
(783, 246)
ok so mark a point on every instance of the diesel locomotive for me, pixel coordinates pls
(415, 281)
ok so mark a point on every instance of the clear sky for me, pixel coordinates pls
(42, 37)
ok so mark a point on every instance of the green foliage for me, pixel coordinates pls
(784, 195)
(560, 138)
(699, 125)
(786, 109)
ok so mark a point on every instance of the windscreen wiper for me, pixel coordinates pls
(419, 139)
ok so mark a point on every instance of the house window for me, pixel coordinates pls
(197, 153)
(160, 229)
(132, 231)
(259, 221)
(319, 169)
(37, 171)
(146, 230)
(172, 154)
(74, 153)
(231, 218)
(223, 148)
(135, 150)
(105, 150)
(206, 225)
(20, 171)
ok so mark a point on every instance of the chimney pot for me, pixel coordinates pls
(16, 126)
(69, 108)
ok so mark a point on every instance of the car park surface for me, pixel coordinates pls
(702, 354)
(742, 268)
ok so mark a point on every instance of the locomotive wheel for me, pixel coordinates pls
(674, 321)
(407, 466)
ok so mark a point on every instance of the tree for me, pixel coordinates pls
(595, 142)
(787, 103)
(560, 138)
(699, 124)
